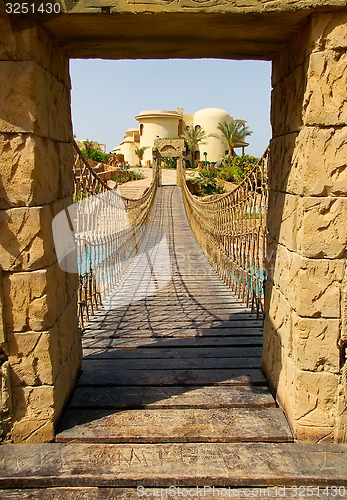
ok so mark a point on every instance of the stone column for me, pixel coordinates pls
(43, 344)
(305, 328)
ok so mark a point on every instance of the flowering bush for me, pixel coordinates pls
(237, 168)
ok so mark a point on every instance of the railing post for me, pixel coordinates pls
(181, 171)
(159, 172)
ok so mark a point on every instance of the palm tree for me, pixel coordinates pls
(88, 146)
(194, 136)
(232, 134)
(139, 153)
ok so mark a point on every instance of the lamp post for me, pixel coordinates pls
(205, 155)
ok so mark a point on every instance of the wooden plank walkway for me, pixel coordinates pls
(180, 365)
(171, 395)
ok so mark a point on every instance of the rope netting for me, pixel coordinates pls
(231, 229)
(108, 231)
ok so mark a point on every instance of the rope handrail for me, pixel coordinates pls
(231, 230)
(109, 229)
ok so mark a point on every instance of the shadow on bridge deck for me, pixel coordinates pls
(171, 395)
(181, 364)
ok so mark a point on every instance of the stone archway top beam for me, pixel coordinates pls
(229, 29)
(232, 6)
(174, 148)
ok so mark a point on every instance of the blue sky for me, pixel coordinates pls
(107, 95)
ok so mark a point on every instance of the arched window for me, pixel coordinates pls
(197, 127)
(141, 129)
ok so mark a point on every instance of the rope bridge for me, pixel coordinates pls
(231, 230)
(108, 231)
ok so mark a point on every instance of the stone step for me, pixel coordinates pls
(234, 465)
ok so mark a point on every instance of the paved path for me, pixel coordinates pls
(136, 189)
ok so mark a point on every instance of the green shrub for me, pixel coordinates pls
(126, 176)
(207, 182)
(236, 169)
(95, 154)
(169, 162)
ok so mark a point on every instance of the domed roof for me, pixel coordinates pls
(158, 113)
(209, 118)
(212, 113)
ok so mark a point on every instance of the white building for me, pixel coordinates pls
(161, 124)
(128, 146)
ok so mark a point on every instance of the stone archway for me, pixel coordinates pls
(173, 148)
(305, 335)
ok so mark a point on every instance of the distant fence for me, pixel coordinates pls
(231, 229)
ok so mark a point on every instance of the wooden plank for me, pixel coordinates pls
(97, 376)
(177, 294)
(172, 425)
(182, 294)
(206, 492)
(203, 322)
(130, 465)
(161, 325)
(164, 304)
(167, 319)
(66, 493)
(168, 316)
(172, 397)
(102, 341)
(207, 282)
(186, 298)
(178, 310)
(112, 365)
(176, 284)
(249, 328)
(200, 297)
(167, 352)
(186, 303)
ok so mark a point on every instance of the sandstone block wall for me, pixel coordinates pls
(306, 301)
(40, 337)
(305, 327)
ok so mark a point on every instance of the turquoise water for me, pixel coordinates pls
(91, 257)
(255, 286)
